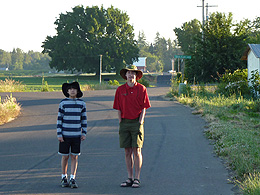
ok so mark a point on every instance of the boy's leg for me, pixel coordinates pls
(138, 160)
(74, 164)
(129, 162)
(64, 167)
(64, 164)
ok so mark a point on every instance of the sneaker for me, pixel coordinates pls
(73, 183)
(64, 182)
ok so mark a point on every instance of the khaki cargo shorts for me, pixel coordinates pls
(131, 133)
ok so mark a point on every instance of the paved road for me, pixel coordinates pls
(178, 159)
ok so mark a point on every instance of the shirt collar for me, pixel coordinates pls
(128, 87)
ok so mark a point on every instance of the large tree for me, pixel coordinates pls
(254, 30)
(187, 35)
(5, 59)
(214, 49)
(83, 35)
(17, 58)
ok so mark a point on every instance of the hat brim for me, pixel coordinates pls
(75, 85)
(139, 73)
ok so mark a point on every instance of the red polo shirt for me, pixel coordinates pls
(131, 100)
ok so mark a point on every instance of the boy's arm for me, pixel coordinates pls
(59, 123)
(142, 115)
(84, 121)
(119, 116)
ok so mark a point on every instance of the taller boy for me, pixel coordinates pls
(71, 130)
(131, 101)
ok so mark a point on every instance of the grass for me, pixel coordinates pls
(9, 109)
(9, 85)
(43, 83)
(54, 83)
(234, 125)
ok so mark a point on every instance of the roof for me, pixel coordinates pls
(255, 48)
(141, 62)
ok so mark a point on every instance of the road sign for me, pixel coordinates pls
(182, 57)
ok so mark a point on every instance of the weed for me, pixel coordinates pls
(10, 85)
(9, 109)
(251, 184)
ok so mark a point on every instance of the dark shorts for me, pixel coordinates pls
(70, 146)
(131, 133)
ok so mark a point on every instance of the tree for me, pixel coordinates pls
(187, 35)
(141, 40)
(219, 48)
(254, 30)
(5, 59)
(17, 59)
(165, 51)
(85, 34)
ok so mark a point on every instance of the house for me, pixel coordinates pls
(141, 64)
(252, 55)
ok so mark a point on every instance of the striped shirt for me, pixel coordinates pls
(72, 118)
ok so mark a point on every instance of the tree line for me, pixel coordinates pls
(19, 60)
(87, 35)
(159, 54)
(216, 47)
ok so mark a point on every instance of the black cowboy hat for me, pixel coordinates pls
(74, 85)
(139, 73)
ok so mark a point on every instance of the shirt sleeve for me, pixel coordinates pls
(146, 100)
(84, 124)
(59, 120)
(116, 100)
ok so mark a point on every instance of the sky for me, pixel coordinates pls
(25, 24)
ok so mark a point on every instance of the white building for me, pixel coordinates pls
(5, 69)
(141, 64)
(252, 55)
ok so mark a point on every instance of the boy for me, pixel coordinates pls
(131, 101)
(71, 130)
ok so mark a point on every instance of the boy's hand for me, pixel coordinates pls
(83, 138)
(60, 139)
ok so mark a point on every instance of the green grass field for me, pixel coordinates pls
(34, 83)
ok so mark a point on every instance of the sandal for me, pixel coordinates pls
(136, 183)
(129, 182)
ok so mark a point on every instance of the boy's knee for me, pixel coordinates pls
(128, 151)
(74, 157)
(137, 151)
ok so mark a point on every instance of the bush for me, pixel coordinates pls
(234, 83)
(114, 83)
(254, 83)
(9, 85)
(9, 109)
(45, 86)
(251, 185)
(144, 82)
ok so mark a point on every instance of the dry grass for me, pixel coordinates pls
(9, 85)
(9, 109)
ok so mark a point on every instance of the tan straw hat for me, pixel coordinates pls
(139, 73)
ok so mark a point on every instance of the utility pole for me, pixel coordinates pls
(203, 15)
(100, 72)
(203, 18)
(203, 9)
(207, 10)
